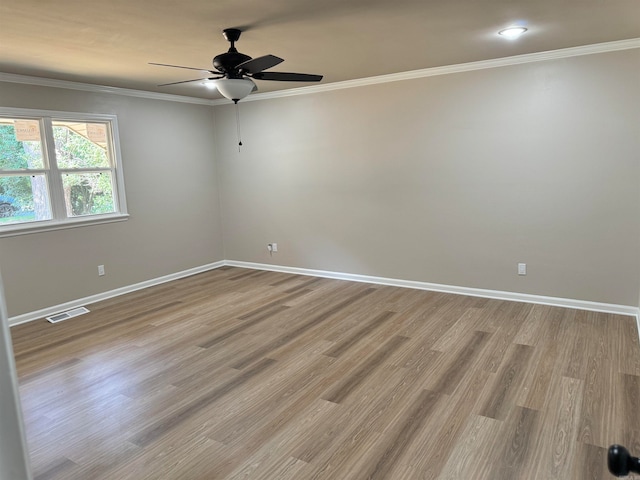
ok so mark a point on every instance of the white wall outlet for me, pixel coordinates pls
(522, 269)
(100, 270)
(274, 246)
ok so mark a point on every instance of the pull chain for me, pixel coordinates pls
(238, 125)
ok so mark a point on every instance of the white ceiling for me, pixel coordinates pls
(110, 42)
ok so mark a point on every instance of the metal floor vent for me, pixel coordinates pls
(58, 317)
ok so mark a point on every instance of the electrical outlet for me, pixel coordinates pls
(274, 247)
(522, 269)
(100, 270)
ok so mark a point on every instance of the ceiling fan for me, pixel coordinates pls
(234, 71)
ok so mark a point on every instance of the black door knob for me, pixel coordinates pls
(621, 462)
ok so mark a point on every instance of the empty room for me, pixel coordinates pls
(319, 240)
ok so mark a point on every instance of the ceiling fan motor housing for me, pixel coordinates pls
(227, 62)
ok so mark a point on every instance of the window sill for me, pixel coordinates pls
(49, 225)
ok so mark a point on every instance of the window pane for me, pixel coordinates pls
(81, 144)
(88, 193)
(20, 144)
(24, 198)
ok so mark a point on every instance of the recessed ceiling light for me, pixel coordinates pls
(512, 32)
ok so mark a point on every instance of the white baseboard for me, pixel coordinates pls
(474, 292)
(46, 312)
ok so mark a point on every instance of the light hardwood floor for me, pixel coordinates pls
(238, 373)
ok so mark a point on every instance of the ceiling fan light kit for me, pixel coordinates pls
(235, 88)
(234, 71)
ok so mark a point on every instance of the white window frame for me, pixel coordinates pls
(59, 218)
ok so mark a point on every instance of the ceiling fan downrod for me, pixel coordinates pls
(232, 35)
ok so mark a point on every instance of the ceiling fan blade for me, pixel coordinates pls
(287, 77)
(180, 66)
(259, 64)
(186, 81)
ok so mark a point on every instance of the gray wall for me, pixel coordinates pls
(172, 197)
(451, 179)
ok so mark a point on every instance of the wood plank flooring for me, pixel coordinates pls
(248, 374)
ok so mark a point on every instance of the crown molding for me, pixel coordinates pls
(393, 77)
(89, 87)
(449, 69)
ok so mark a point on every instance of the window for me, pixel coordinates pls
(58, 170)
